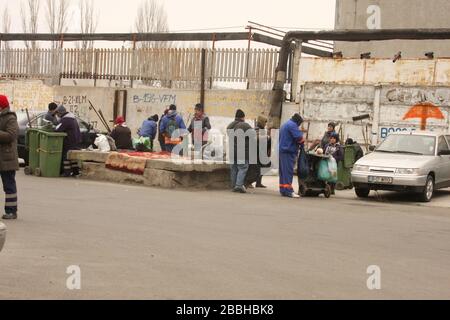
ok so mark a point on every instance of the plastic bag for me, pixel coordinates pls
(142, 144)
(102, 143)
(112, 143)
(333, 169)
(323, 173)
(303, 164)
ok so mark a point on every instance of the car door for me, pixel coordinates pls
(443, 170)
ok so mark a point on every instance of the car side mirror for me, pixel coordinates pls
(372, 148)
(444, 153)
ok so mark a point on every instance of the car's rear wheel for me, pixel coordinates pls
(362, 192)
(428, 190)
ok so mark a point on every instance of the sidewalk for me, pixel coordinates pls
(440, 200)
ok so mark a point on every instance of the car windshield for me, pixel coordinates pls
(409, 144)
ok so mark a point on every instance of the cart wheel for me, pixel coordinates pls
(27, 171)
(37, 172)
(327, 191)
(303, 189)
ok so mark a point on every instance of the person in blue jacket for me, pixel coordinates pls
(290, 140)
(169, 124)
(149, 129)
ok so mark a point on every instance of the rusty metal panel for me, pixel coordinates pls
(419, 72)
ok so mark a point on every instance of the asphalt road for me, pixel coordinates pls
(140, 243)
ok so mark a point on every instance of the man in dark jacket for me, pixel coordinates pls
(240, 160)
(264, 143)
(9, 163)
(122, 135)
(69, 125)
(199, 127)
(50, 115)
(161, 139)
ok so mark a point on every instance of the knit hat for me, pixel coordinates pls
(119, 120)
(4, 103)
(240, 114)
(297, 119)
(335, 136)
(52, 106)
(61, 110)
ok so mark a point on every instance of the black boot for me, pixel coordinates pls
(10, 216)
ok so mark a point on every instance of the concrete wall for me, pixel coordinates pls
(31, 94)
(392, 14)
(340, 89)
(422, 72)
(221, 105)
(387, 106)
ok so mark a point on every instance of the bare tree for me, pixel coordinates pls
(151, 18)
(30, 19)
(88, 21)
(6, 25)
(58, 17)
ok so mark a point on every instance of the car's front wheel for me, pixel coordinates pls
(362, 192)
(428, 190)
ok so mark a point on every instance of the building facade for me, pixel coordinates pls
(393, 14)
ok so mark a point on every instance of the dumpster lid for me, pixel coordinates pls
(53, 134)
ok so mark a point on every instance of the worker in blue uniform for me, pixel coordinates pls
(291, 138)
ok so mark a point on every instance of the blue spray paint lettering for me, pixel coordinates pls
(386, 131)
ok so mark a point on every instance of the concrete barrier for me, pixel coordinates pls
(168, 174)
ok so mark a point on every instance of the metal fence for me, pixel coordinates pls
(167, 67)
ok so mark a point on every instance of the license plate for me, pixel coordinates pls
(381, 180)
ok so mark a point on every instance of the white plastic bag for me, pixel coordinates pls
(102, 143)
(333, 168)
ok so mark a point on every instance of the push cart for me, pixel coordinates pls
(311, 186)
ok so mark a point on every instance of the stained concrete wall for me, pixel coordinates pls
(423, 72)
(221, 105)
(340, 89)
(31, 94)
(387, 105)
(392, 14)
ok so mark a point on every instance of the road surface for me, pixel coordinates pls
(142, 243)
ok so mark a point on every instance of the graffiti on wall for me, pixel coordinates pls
(385, 131)
(77, 105)
(155, 98)
(424, 111)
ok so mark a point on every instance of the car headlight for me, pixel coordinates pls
(361, 168)
(407, 171)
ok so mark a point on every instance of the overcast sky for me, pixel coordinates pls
(184, 15)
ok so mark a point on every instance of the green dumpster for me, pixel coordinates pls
(32, 143)
(50, 153)
(345, 168)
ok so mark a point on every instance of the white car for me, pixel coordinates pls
(2, 235)
(417, 162)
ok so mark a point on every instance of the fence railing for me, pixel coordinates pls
(167, 67)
